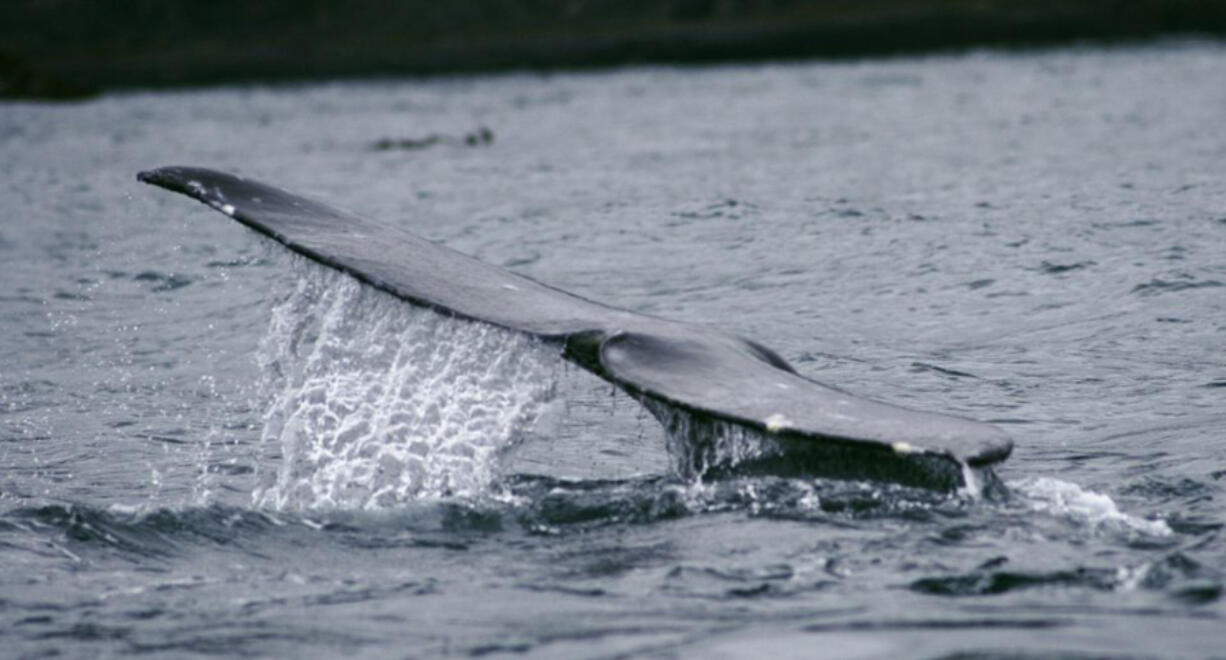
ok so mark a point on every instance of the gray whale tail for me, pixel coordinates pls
(698, 382)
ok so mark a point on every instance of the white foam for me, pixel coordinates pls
(375, 402)
(1065, 499)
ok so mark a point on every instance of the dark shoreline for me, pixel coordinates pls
(64, 49)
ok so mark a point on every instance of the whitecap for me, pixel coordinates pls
(1062, 498)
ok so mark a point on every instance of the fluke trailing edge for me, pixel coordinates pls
(702, 384)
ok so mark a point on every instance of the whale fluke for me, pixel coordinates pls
(699, 382)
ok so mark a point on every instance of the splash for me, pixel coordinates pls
(1057, 497)
(375, 402)
(700, 445)
(972, 483)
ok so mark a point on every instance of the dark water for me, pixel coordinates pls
(209, 447)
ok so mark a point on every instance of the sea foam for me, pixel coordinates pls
(1062, 498)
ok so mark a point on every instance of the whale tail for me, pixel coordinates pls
(717, 395)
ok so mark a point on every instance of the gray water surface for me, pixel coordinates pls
(1036, 240)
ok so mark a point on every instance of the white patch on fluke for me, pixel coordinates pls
(777, 422)
(904, 448)
(228, 209)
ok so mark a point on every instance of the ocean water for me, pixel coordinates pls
(211, 447)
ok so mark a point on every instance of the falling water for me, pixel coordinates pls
(375, 402)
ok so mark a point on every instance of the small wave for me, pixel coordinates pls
(1158, 488)
(1052, 268)
(1062, 498)
(1180, 576)
(1177, 575)
(985, 583)
(134, 531)
(553, 506)
(162, 281)
(918, 367)
(1185, 282)
(729, 208)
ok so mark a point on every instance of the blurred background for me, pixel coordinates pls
(73, 48)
